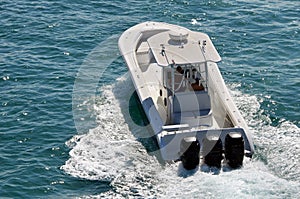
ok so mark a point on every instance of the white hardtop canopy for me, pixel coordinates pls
(183, 47)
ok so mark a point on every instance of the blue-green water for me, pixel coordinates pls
(67, 127)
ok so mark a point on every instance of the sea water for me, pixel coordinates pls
(71, 125)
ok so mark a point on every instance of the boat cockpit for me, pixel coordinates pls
(185, 78)
(188, 96)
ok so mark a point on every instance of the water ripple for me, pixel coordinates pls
(43, 44)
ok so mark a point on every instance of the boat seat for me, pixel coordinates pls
(143, 48)
(192, 119)
(193, 108)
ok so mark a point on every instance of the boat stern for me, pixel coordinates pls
(212, 146)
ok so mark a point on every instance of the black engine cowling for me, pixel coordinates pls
(212, 151)
(234, 150)
(190, 148)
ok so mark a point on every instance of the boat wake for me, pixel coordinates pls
(278, 147)
(113, 152)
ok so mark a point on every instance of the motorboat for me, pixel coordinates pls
(175, 74)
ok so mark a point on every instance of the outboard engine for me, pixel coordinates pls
(190, 148)
(212, 151)
(234, 150)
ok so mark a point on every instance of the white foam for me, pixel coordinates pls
(279, 145)
(112, 153)
(103, 152)
(195, 22)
